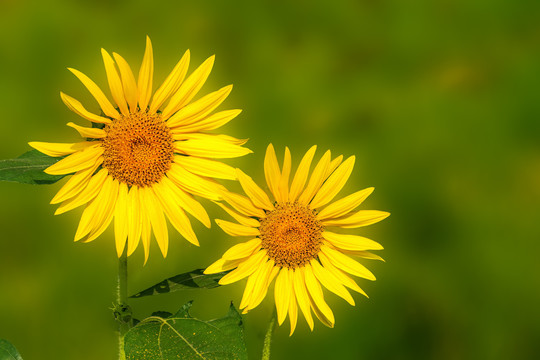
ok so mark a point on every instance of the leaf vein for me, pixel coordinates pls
(165, 322)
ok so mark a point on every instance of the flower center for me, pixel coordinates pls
(138, 149)
(291, 235)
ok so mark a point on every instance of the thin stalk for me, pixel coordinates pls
(122, 309)
(268, 336)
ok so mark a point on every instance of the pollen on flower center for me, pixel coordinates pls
(291, 235)
(138, 149)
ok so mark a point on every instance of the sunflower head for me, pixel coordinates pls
(291, 235)
(138, 149)
(292, 240)
(147, 153)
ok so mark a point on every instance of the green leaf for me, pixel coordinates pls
(8, 351)
(181, 336)
(195, 279)
(28, 169)
(99, 125)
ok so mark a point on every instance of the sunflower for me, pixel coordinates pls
(291, 240)
(145, 155)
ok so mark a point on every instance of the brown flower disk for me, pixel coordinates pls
(138, 149)
(291, 235)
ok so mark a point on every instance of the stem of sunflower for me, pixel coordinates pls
(122, 311)
(268, 336)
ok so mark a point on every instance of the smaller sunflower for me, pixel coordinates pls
(290, 237)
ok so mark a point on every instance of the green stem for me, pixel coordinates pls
(122, 311)
(268, 336)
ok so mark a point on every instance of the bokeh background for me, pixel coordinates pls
(438, 100)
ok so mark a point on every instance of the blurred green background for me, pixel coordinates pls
(438, 100)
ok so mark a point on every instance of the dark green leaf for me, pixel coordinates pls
(99, 125)
(181, 336)
(8, 351)
(191, 280)
(163, 314)
(28, 169)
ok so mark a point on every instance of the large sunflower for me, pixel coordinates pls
(142, 159)
(291, 237)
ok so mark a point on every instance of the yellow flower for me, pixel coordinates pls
(291, 241)
(144, 158)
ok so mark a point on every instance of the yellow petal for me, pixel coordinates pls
(96, 92)
(282, 293)
(340, 275)
(92, 214)
(283, 185)
(255, 193)
(301, 174)
(106, 214)
(78, 161)
(189, 88)
(248, 290)
(262, 283)
(78, 108)
(242, 204)
(88, 193)
(60, 149)
(293, 307)
(212, 148)
(92, 133)
(146, 74)
(358, 219)
(237, 229)
(157, 219)
(333, 184)
(246, 268)
(134, 219)
(177, 216)
(169, 190)
(368, 255)
(320, 307)
(242, 250)
(115, 84)
(210, 122)
(87, 221)
(333, 166)
(121, 219)
(223, 265)
(271, 171)
(194, 184)
(363, 255)
(146, 228)
(347, 264)
(259, 287)
(273, 273)
(74, 185)
(351, 242)
(131, 92)
(209, 137)
(198, 110)
(316, 180)
(244, 220)
(102, 227)
(302, 295)
(344, 205)
(206, 167)
(330, 281)
(171, 83)
(269, 278)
